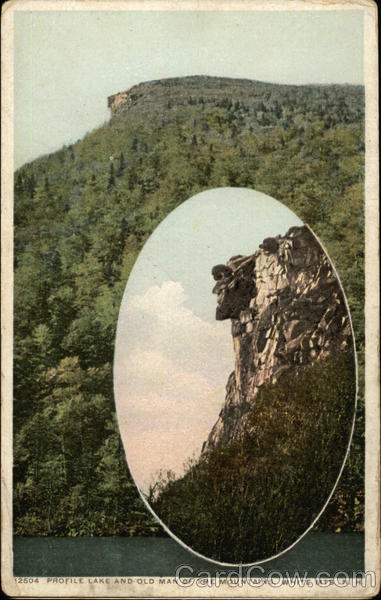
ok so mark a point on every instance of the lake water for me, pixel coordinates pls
(155, 557)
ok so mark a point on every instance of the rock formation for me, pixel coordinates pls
(287, 309)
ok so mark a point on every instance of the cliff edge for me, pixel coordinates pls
(287, 309)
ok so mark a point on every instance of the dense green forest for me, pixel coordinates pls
(82, 215)
(251, 499)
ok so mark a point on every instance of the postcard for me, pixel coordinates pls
(190, 296)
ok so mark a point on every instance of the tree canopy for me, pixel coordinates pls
(82, 214)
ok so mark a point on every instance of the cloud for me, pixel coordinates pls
(158, 320)
(151, 370)
(161, 300)
(170, 370)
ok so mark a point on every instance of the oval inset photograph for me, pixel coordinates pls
(235, 376)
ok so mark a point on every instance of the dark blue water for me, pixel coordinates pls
(155, 557)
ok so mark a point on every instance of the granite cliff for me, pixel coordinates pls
(287, 309)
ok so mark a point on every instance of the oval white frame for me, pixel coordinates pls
(273, 557)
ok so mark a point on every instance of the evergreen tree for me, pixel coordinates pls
(111, 179)
(122, 165)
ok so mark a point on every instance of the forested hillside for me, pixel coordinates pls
(82, 215)
(252, 498)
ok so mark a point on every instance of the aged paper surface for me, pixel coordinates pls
(73, 523)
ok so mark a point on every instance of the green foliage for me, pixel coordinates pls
(83, 214)
(252, 499)
(69, 463)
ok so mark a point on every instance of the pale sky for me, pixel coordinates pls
(68, 63)
(172, 358)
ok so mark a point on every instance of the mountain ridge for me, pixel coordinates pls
(126, 98)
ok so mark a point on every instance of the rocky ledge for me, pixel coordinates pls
(287, 309)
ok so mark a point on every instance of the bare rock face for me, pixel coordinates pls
(287, 309)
